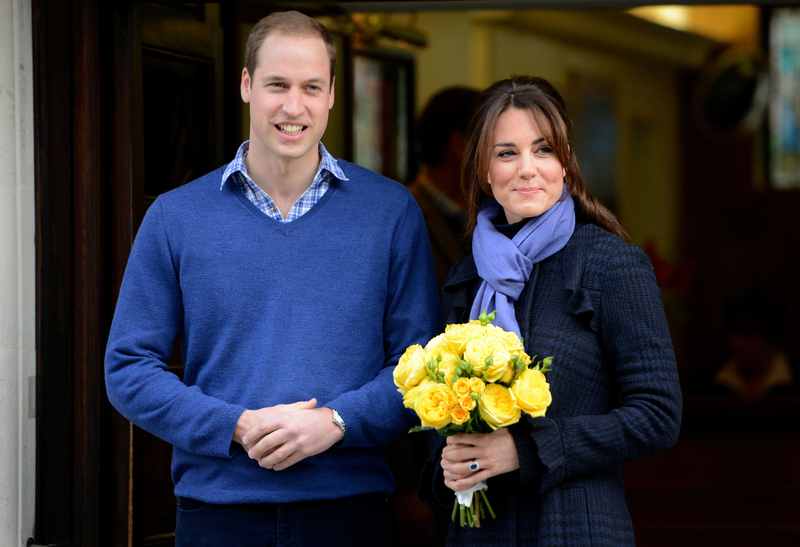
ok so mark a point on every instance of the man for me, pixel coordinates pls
(442, 137)
(295, 282)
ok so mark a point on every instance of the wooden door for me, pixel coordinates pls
(180, 52)
(127, 105)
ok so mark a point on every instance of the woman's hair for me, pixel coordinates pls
(549, 110)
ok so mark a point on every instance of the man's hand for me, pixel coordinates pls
(283, 435)
(250, 419)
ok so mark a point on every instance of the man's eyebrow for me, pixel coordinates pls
(279, 78)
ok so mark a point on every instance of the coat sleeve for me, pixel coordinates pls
(636, 346)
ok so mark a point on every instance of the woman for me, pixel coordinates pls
(561, 272)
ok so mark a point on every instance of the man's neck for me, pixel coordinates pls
(283, 180)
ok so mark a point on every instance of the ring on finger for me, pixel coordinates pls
(474, 466)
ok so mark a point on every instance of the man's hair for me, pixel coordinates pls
(288, 23)
(447, 111)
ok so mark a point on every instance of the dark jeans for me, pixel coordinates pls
(349, 522)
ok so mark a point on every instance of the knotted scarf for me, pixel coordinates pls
(505, 264)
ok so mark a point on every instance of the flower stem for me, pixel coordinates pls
(488, 505)
(455, 510)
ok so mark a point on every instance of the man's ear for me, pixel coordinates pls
(330, 97)
(246, 85)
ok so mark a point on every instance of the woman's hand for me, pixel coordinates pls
(495, 453)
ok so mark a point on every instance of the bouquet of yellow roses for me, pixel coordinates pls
(473, 378)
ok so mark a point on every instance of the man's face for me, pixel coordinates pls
(290, 93)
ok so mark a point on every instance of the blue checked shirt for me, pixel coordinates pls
(237, 173)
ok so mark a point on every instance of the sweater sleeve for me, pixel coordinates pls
(147, 320)
(374, 414)
(638, 350)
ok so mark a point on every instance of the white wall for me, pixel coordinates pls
(17, 274)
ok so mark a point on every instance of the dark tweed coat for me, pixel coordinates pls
(595, 307)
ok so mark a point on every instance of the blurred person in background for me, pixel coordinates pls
(441, 139)
(756, 326)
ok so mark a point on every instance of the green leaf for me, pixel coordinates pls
(418, 428)
(450, 429)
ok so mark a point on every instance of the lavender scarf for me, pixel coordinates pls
(505, 264)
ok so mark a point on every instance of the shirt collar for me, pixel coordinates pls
(327, 163)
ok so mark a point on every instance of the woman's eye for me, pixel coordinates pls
(546, 150)
(505, 154)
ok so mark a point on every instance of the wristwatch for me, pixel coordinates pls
(337, 419)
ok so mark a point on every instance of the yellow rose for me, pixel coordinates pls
(476, 385)
(411, 368)
(457, 335)
(479, 349)
(461, 387)
(509, 339)
(466, 402)
(411, 395)
(532, 393)
(436, 346)
(434, 405)
(447, 366)
(497, 407)
(525, 358)
(460, 415)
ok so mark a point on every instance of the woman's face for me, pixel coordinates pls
(525, 175)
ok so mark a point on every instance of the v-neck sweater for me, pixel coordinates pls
(271, 313)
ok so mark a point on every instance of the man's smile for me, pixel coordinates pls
(291, 130)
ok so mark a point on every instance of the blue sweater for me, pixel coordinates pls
(272, 313)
